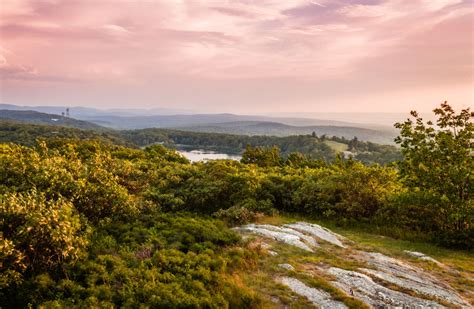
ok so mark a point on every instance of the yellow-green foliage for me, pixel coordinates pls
(37, 235)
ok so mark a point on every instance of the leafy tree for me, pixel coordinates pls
(297, 159)
(353, 143)
(262, 156)
(439, 160)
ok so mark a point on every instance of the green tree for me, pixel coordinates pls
(262, 156)
(353, 143)
(296, 159)
(438, 159)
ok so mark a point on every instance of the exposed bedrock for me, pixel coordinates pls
(429, 291)
(373, 294)
(423, 257)
(282, 236)
(319, 298)
(410, 277)
(317, 231)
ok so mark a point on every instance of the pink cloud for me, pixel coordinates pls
(337, 43)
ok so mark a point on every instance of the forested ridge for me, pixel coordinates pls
(93, 221)
(47, 119)
(312, 146)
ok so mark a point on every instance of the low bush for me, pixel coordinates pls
(158, 261)
(37, 235)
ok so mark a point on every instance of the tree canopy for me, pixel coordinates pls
(439, 160)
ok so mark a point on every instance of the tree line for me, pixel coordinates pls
(312, 146)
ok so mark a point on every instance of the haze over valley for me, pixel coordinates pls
(213, 123)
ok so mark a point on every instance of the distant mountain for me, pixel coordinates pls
(80, 112)
(49, 119)
(173, 121)
(279, 129)
(386, 119)
(221, 123)
(162, 117)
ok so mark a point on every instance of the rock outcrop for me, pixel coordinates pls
(308, 239)
(290, 239)
(428, 291)
(364, 288)
(286, 266)
(423, 257)
(409, 277)
(319, 298)
(317, 231)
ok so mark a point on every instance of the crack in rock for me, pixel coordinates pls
(365, 289)
(319, 298)
(317, 231)
(290, 239)
(410, 277)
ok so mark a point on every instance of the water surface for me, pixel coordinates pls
(206, 155)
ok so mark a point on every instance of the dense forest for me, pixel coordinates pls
(87, 221)
(379, 135)
(28, 134)
(312, 146)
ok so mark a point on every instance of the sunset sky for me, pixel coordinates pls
(248, 56)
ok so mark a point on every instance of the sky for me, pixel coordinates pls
(242, 56)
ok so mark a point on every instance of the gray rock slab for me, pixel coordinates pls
(373, 294)
(272, 253)
(423, 257)
(308, 239)
(319, 298)
(410, 277)
(289, 239)
(286, 266)
(317, 231)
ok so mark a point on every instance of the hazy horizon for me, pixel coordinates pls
(242, 57)
(344, 118)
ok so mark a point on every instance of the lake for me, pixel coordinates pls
(206, 155)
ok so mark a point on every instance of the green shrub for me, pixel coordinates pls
(158, 260)
(424, 212)
(83, 175)
(37, 235)
(351, 191)
(237, 215)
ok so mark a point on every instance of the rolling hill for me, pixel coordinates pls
(81, 112)
(23, 133)
(280, 129)
(174, 121)
(89, 118)
(48, 119)
(160, 117)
